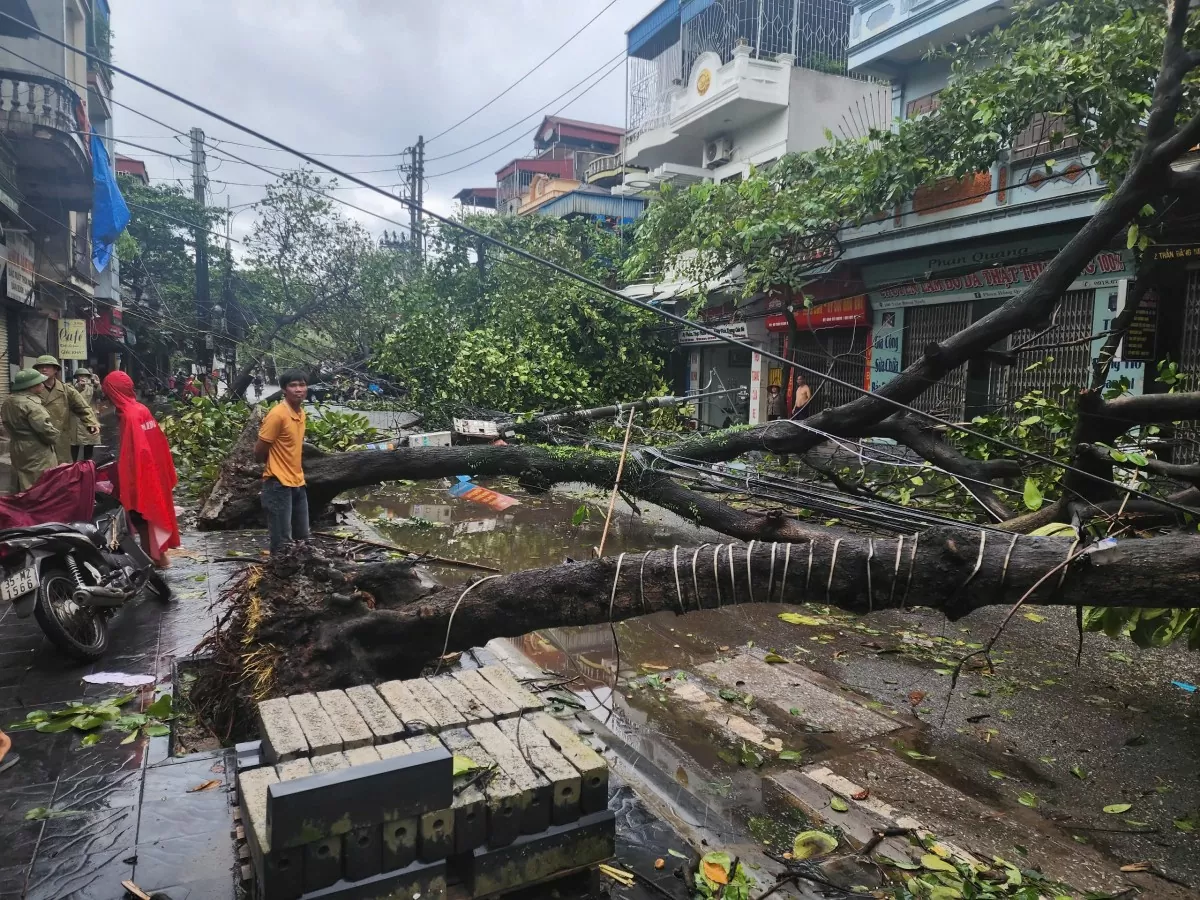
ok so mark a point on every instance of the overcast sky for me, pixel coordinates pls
(361, 76)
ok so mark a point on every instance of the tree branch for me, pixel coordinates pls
(1187, 474)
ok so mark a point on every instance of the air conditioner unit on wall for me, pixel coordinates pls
(718, 152)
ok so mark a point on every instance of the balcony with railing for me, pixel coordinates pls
(42, 119)
(701, 67)
(888, 35)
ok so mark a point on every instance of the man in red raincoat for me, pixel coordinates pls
(145, 471)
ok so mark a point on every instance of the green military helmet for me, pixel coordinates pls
(27, 378)
(47, 360)
(82, 370)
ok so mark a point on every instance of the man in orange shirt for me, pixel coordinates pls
(281, 445)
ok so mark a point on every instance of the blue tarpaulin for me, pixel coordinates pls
(110, 215)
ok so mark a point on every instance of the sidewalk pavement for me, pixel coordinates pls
(117, 811)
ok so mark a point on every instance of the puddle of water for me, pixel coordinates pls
(538, 531)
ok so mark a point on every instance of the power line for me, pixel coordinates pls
(597, 286)
(553, 53)
(523, 135)
(531, 115)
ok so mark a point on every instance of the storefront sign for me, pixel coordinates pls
(1108, 305)
(884, 348)
(694, 385)
(20, 267)
(107, 323)
(1186, 253)
(1105, 270)
(730, 329)
(982, 271)
(845, 313)
(1141, 338)
(72, 339)
(756, 387)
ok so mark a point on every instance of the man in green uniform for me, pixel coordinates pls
(62, 402)
(31, 434)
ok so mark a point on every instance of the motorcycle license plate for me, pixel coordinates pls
(20, 584)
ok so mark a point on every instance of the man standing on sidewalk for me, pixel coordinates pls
(63, 402)
(280, 445)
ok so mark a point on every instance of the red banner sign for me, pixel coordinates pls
(845, 313)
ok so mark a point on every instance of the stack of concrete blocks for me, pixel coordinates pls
(358, 798)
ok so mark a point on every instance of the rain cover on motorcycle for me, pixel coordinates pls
(66, 493)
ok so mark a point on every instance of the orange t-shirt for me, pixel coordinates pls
(283, 429)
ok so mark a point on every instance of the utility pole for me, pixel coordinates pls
(227, 287)
(204, 341)
(413, 173)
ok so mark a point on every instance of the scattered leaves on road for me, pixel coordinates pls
(1115, 809)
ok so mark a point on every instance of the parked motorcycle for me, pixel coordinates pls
(72, 576)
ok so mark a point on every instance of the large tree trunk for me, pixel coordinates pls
(345, 624)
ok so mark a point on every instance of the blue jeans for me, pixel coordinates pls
(287, 513)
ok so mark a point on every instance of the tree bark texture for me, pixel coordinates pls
(371, 622)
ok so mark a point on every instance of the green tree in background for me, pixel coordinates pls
(480, 328)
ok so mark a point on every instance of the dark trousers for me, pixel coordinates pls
(80, 452)
(287, 513)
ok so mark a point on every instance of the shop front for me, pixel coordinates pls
(921, 300)
(830, 336)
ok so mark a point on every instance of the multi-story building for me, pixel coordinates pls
(50, 99)
(956, 250)
(554, 179)
(718, 86)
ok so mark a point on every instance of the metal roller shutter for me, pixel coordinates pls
(1070, 366)
(922, 326)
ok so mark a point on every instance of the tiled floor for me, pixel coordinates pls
(118, 811)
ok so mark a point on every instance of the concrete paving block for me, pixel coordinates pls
(252, 797)
(502, 679)
(505, 802)
(375, 712)
(436, 839)
(858, 825)
(249, 754)
(428, 882)
(335, 803)
(537, 787)
(412, 715)
(399, 843)
(824, 705)
(329, 762)
(564, 778)
(282, 738)
(443, 711)
(470, 706)
(470, 816)
(362, 852)
(318, 728)
(346, 719)
(534, 858)
(293, 769)
(322, 863)
(360, 755)
(593, 769)
(470, 804)
(502, 706)
(280, 873)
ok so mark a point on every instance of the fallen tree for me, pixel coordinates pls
(311, 621)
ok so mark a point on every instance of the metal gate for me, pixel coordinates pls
(1070, 366)
(923, 325)
(840, 352)
(1189, 362)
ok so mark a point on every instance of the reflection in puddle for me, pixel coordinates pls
(539, 531)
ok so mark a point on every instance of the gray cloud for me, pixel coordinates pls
(359, 76)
